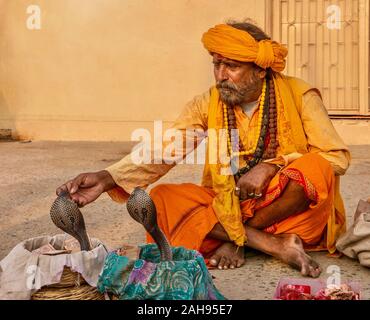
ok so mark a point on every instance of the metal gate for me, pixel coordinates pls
(328, 44)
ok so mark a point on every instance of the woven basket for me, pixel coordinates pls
(72, 286)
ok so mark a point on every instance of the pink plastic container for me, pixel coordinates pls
(311, 286)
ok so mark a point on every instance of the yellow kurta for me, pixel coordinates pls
(320, 132)
(316, 128)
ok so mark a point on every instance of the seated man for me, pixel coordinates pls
(283, 197)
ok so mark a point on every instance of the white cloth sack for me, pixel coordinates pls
(23, 272)
(355, 243)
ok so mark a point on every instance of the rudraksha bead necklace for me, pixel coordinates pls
(267, 126)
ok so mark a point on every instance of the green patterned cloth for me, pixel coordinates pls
(184, 278)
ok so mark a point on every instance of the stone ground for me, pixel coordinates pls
(30, 173)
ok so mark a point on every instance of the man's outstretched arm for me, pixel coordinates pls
(128, 175)
(119, 179)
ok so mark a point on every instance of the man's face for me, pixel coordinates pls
(237, 82)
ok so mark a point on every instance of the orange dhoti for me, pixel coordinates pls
(186, 216)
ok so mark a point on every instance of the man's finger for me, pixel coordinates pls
(80, 200)
(258, 193)
(75, 183)
(243, 194)
(250, 194)
(69, 186)
(81, 204)
(253, 191)
(61, 189)
(77, 199)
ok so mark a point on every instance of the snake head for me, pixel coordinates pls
(67, 216)
(142, 209)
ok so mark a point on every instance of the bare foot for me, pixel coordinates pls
(293, 254)
(228, 255)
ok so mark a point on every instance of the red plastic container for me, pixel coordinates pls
(308, 287)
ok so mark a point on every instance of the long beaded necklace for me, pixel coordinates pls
(267, 124)
(229, 116)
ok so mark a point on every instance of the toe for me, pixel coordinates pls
(314, 268)
(239, 263)
(215, 259)
(222, 262)
(304, 269)
(234, 263)
(315, 271)
(228, 263)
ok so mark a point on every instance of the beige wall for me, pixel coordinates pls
(99, 69)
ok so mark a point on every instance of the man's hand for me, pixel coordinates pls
(254, 183)
(87, 187)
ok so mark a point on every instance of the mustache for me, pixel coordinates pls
(226, 85)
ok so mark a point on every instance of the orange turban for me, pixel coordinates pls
(239, 45)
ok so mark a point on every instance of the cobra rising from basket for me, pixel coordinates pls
(142, 209)
(66, 216)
